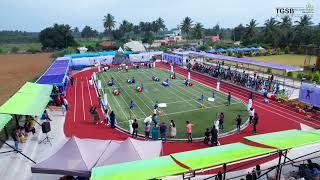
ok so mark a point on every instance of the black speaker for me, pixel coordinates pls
(46, 127)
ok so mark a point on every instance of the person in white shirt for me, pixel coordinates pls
(251, 114)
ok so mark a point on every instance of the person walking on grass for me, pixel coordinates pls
(238, 123)
(189, 131)
(147, 131)
(173, 129)
(221, 121)
(229, 99)
(255, 122)
(163, 129)
(135, 128)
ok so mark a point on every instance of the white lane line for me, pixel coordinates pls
(89, 91)
(84, 112)
(75, 101)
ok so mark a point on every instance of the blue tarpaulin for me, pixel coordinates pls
(172, 58)
(91, 54)
(310, 94)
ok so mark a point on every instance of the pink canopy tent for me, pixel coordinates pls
(130, 150)
(78, 156)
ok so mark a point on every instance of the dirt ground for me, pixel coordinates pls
(16, 69)
(288, 59)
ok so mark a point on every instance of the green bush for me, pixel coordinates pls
(299, 51)
(308, 76)
(287, 50)
(268, 52)
(69, 50)
(240, 54)
(278, 51)
(1, 51)
(269, 70)
(33, 51)
(300, 75)
(14, 49)
(316, 78)
(250, 54)
(229, 53)
(259, 53)
(290, 74)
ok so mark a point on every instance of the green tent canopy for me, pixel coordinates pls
(286, 139)
(41, 89)
(143, 169)
(31, 99)
(209, 157)
(4, 119)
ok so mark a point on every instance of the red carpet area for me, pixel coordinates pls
(273, 116)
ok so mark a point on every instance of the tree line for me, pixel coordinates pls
(283, 32)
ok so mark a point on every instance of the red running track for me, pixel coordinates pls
(273, 116)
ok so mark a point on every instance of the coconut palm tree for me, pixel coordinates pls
(286, 34)
(303, 33)
(271, 31)
(250, 34)
(160, 23)
(198, 31)
(186, 25)
(108, 22)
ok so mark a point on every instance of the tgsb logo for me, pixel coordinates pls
(285, 10)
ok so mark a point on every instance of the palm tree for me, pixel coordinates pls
(250, 34)
(303, 33)
(108, 22)
(125, 26)
(160, 23)
(286, 34)
(271, 31)
(198, 31)
(186, 25)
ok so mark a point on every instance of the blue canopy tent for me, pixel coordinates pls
(212, 51)
(231, 50)
(91, 54)
(56, 75)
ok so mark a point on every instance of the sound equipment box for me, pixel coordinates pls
(46, 127)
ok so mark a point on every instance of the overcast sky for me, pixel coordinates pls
(35, 15)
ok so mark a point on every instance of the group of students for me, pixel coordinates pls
(254, 81)
(154, 131)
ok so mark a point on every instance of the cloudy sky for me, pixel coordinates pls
(34, 15)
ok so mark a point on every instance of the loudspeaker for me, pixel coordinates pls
(46, 127)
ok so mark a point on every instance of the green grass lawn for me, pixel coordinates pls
(287, 59)
(6, 48)
(182, 102)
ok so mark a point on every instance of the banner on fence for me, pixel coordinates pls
(310, 94)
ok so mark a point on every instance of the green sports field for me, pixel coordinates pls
(182, 102)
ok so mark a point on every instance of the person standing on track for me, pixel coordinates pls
(251, 114)
(189, 131)
(255, 122)
(238, 123)
(229, 99)
(218, 85)
(135, 128)
(250, 101)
